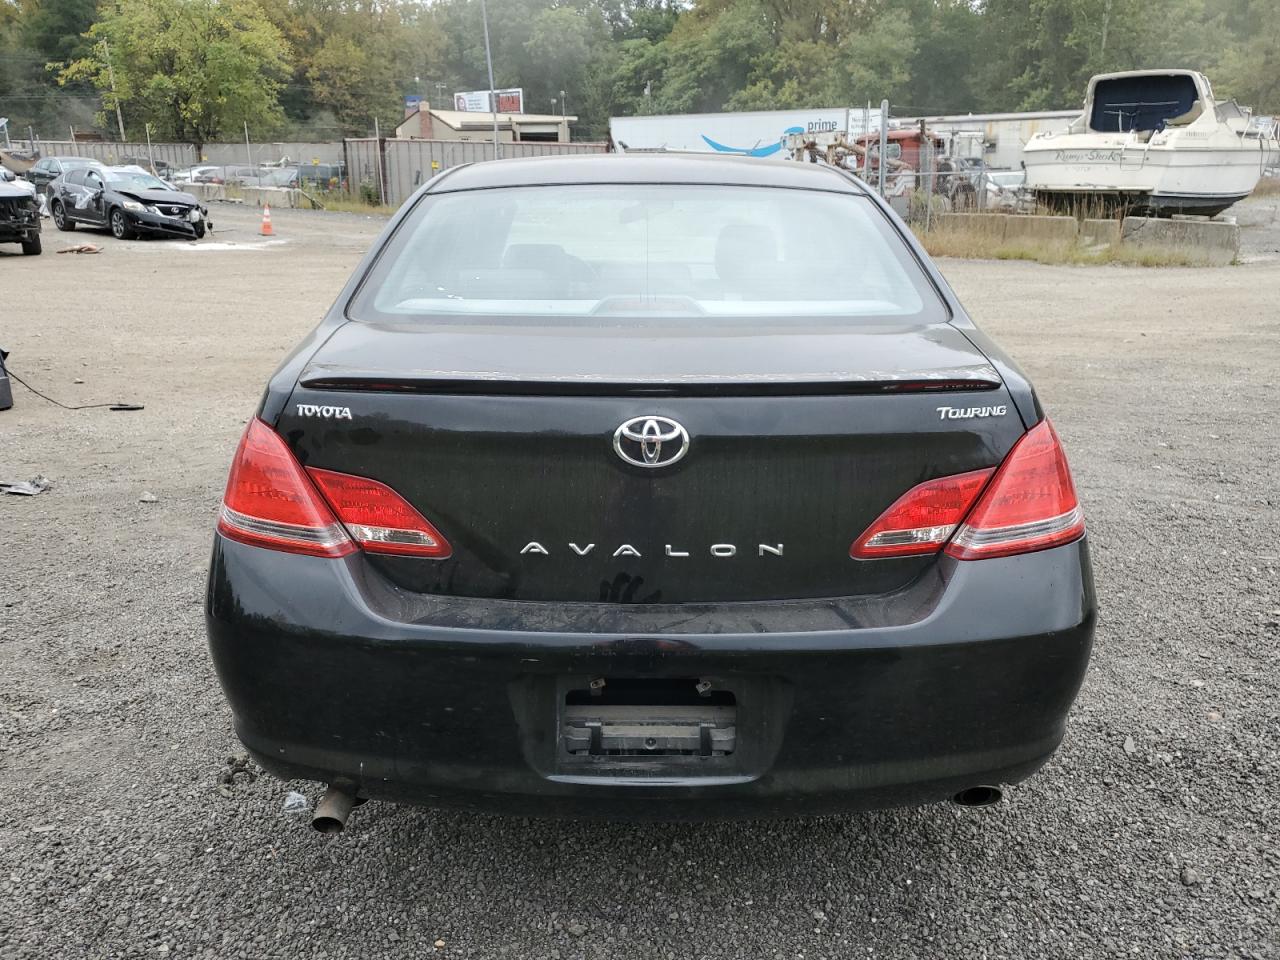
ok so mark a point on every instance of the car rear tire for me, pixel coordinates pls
(119, 225)
(60, 218)
(32, 247)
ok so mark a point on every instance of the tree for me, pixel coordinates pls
(56, 28)
(1249, 70)
(856, 64)
(196, 70)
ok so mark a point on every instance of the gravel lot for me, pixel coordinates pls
(1153, 832)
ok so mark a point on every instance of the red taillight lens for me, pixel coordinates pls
(378, 518)
(270, 503)
(922, 519)
(1030, 504)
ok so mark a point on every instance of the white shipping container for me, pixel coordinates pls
(754, 134)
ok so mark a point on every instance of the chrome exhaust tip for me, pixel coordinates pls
(979, 796)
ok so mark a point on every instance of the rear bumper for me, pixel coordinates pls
(331, 674)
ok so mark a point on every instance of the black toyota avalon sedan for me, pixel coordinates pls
(649, 487)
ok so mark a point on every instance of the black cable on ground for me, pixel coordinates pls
(82, 406)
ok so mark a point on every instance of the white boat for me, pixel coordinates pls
(1152, 141)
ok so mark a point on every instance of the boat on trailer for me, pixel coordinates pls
(1152, 141)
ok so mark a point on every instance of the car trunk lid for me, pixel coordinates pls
(504, 438)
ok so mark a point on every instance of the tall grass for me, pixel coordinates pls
(972, 244)
(336, 202)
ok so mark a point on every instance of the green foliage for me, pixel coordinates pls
(196, 70)
(56, 28)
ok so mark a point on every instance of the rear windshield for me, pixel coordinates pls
(660, 250)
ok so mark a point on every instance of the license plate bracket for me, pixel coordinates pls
(649, 730)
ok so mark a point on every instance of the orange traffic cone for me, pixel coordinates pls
(266, 221)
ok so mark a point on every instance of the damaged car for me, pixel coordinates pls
(128, 201)
(19, 213)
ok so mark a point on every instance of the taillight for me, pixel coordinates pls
(378, 518)
(922, 519)
(1030, 504)
(270, 503)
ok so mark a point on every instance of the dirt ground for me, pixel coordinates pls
(1152, 833)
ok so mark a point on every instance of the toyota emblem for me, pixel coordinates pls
(651, 441)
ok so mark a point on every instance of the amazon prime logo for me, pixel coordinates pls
(651, 441)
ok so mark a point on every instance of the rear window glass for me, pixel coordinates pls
(671, 251)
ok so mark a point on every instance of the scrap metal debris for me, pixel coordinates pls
(26, 488)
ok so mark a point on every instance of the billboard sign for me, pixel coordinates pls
(477, 101)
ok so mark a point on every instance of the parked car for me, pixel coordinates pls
(127, 201)
(321, 176)
(19, 213)
(202, 173)
(244, 175)
(1005, 190)
(654, 486)
(160, 167)
(288, 177)
(48, 169)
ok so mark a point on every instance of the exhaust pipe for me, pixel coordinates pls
(980, 796)
(334, 807)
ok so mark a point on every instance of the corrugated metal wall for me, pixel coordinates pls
(406, 164)
(298, 151)
(184, 155)
(410, 163)
(174, 154)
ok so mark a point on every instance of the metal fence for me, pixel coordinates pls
(178, 155)
(396, 168)
(174, 154)
(296, 151)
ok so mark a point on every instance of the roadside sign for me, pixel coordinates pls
(510, 100)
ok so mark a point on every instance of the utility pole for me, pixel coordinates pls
(111, 75)
(884, 142)
(493, 91)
